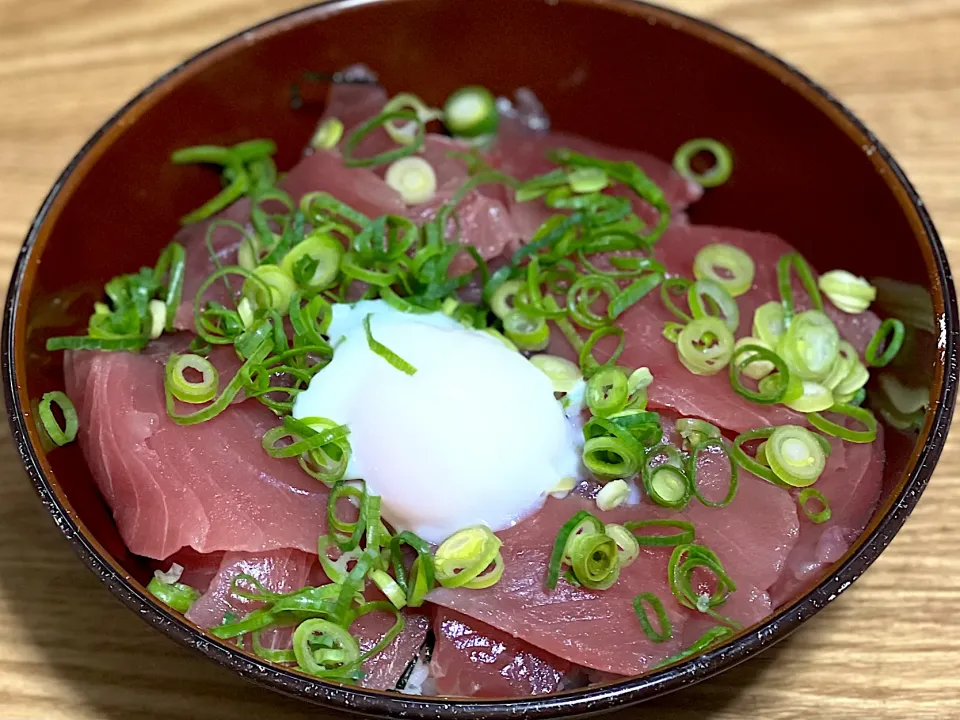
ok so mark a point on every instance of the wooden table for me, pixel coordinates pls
(889, 648)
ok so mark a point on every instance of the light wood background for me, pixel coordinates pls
(888, 648)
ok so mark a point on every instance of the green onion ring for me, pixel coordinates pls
(59, 435)
(350, 145)
(678, 286)
(717, 175)
(859, 414)
(588, 363)
(751, 353)
(684, 536)
(666, 629)
(816, 517)
(795, 262)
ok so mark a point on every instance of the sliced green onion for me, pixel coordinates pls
(613, 495)
(815, 516)
(684, 562)
(422, 574)
(335, 570)
(411, 142)
(333, 638)
(186, 390)
(611, 457)
(383, 351)
(795, 455)
(280, 285)
(666, 629)
(750, 353)
(769, 323)
(751, 464)
(228, 393)
(719, 296)
(737, 267)
(815, 398)
(346, 535)
(705, 346)
(595, 560)
(607, 391)
(327, 134)
(842, 366)
(710, 638)
(414, 178)
(889, 336)
(718, 173)
(585, 291)
(158, 318)
(626, 543)
(753, 366)
(315, 261)
(463, 556)
(501, 301)
(175, 595)
(671, 331)
(854, 380)
(68, 432)
(685, 532)
(861, 415)
(563, 374)
(667, 483)
(774, 383)
(588, 179)
(566, 534)
(848, 292)
(789, 263)
(588, 363)
(810, 345)
(470, 112)
(632, 294)
(526, 332)
(704, 445)
(695, 431)
(675, 286)
(404, 134)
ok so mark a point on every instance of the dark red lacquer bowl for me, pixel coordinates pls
(619, 71)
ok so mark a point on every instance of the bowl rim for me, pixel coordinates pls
(594, 699)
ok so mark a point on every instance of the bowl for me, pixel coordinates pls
(628, 73)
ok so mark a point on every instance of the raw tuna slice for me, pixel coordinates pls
(851, 483)
(595, 629)
(285, 571)
(471, 659)
(359, 188)
(209, 486)
(748, 605)
(353, 104)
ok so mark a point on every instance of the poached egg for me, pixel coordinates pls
(473, 436)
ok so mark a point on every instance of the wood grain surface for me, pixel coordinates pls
(888, 648)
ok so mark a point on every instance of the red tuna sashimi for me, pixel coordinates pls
(285, 571)
(471, 659)
(323, 171)
(851, 482)
(595, 629)
(209, 486)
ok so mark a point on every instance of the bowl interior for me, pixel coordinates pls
(616, 71)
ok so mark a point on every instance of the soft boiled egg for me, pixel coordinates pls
(474, 436)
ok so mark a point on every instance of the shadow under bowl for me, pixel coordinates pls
(624, 72)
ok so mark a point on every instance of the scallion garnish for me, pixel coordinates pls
(787, 265)
(705, 346)
(737, 267)
(639, 607)
(612, 495)
(815, 516)
(708, 444)
(386, 353)
(710, 638)
(666, 481)
(421, 577)
(689, 558)
(719, 171)
(60, 435)
(626, 542)
(861, 415)
(176, 595)
(463, 558)
(408, 147)
(685, 532)
(750, 354)
(471, 112)
(847, 291)
(795, 455)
